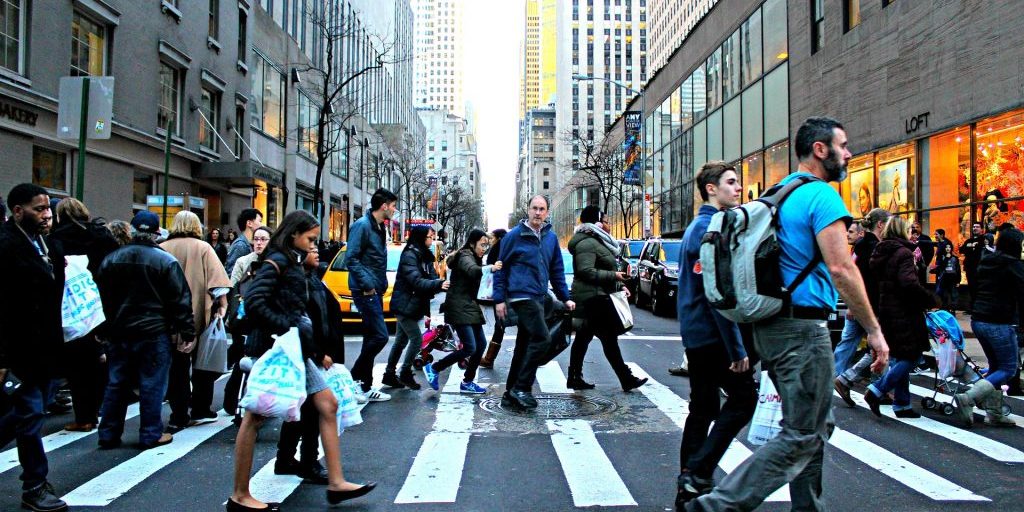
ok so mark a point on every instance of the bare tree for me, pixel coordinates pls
(602, 170)
(458, 211)
(406, 164)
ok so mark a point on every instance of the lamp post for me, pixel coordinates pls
(643, 135)
(349, 133)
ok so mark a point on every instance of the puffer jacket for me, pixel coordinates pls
(460, 306)
(144, 294)
(999, 285)
(325, 314)
(279, 295)
(902, 301)
(415, 284)
(594, 270)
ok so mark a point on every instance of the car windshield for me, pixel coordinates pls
(670, 252)
(633, 249)
(394, 255)
(567, 262)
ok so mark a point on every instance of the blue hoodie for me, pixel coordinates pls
(528, 263)
(699, 323)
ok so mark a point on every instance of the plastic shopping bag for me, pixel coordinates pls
(945, 358)
(81, 309)
(486, 290)
(340, 381)
(276, 386)
(212, 353)
(767, 421)
(621, 304)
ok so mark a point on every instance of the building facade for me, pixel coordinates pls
(439, 56)
(536, 171)
(671, 22)
(539, 49)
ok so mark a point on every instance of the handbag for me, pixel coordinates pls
(767, 420)
(560, 330)
(609, 313)
(81, 309)
(212, 353)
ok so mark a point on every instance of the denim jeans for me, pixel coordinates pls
(147, 363)
(897, 380)
(847, 347)
(22, 422)
(532, 342)
(999, 341)
(375, 337)
(473, 344)
(408, 337)
(798, 356)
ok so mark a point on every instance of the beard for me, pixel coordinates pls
(833, 169)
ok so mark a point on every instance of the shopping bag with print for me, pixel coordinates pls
(276, 386)
(340, 381)
(767, 421)
(486, 290)
(81, 309)
(212, 352)
(625, 314)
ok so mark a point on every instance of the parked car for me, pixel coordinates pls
(336, 280)
(657, 272)
(569, 271)
(631, 253)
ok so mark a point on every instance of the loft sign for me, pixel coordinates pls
(917, 122)
(18, 114)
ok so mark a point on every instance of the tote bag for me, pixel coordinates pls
(767, 420)
(81, 310)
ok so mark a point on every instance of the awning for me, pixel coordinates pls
(241, 173)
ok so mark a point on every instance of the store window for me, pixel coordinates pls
(676, 114)
(686, 104)
(731, 130)
(169, 108)
(88, 46)
(776, 46)
(12, 40)
(776, 105)
(50, 169)
(946, 182)
(715, 135)
(750, 49)
(698, 79)
(142, 186)
(700, 146)
(753, 177)
(897, 178)
(859, 186)
(209, 105)
(999, 170)
(776, 163)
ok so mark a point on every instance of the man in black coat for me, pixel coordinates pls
(32, 273)
(972, 250)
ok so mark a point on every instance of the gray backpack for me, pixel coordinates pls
(739, 258)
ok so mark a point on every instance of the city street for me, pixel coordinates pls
(443, 451)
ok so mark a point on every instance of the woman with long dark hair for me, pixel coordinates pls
(415, 285)
(461, 311)
(216, 241)
(276, 302)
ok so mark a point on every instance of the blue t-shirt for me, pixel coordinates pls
(805, 213)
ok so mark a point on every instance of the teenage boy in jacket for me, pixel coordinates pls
(714, 348)
(531, 259)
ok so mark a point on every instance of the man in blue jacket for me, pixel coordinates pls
(714, 349)
(531, 258)
(367, 261)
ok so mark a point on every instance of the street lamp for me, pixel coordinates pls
(643, 134)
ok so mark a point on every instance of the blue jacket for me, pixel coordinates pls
(528, 263)
(699, 323)
(366, 256)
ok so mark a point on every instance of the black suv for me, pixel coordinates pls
(657, 274)
(631, 254)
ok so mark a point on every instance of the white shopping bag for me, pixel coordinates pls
(276, 386)
(212, 352)
(767, 421)
(486, 290)
(81, 309)
(340, 381)
(621, 304)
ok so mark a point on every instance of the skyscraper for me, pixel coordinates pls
(439, 58)
(671, 22)
(539, 48)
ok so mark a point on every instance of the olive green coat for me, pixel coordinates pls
(460, 306)
(594, 270)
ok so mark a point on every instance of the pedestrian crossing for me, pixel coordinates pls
(591, 471)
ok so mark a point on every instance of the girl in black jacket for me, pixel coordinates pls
(276, 302)
(416, 283)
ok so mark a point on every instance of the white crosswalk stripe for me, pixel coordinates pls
(943, 398)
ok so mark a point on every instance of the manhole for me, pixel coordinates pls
(554, 406)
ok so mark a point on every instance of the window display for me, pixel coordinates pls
(999, 170)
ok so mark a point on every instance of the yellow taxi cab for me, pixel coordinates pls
(336, 280)
(440, 265)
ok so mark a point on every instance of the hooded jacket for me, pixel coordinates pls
(415, 284)
(593, 270)
(902, 300)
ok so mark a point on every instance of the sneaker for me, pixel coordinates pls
(471, 387)
(391, 380)
(359, 394)
(43, 499)
(376, 395)
(428, 371)
(679, 372)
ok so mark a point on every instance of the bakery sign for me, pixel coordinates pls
(18, 114)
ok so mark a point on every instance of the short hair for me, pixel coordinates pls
(23, 194)
(247, 215)
(940, 231)
(875, 217)
(711, 174)
(1004, 226)
(270, 232)
(858, 226)
(187, 223)
(70, 208)
(547, 202)
(381, 197)
(895, 228)
(814, 129)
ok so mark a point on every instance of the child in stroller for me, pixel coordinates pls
(440, 338)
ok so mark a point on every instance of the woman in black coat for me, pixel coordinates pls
(415, 285)
(499, 327)
(902, 302)
(216, 241)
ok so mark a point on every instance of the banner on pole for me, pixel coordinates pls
(631, 148)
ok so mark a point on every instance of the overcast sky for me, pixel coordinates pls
(493, 33)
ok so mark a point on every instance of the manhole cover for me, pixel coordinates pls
(554, 406)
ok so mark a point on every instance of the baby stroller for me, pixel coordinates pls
(955, 371)
(440, 338)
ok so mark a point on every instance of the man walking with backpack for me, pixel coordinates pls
(713, 346)
(794, 344)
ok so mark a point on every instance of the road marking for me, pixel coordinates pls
(593, 480)
(983, 445)
(635, 337)
(943, 398)
(9, 458)
(436, 472)
(900, 469)
(272, 488)
(678, 409)
(105, 488)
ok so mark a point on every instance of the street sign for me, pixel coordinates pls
(100, 107)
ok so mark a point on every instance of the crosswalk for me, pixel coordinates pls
(590, 473)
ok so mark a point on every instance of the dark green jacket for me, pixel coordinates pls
(460, 306)
(593, 268)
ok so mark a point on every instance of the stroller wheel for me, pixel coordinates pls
(418, 363)
(947, 409)
(462, 363)
(928, 402)
(1006, 409)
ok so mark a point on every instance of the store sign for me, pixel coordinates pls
(18, 114)
(631, 148)
(917, 122)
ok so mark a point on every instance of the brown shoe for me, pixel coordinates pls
(492, 352)
(80, 427)
(844, 392)
(164, 440)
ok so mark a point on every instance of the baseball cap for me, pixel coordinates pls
(146, 222)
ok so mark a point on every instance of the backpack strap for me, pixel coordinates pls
(775, 200)
(273, 264)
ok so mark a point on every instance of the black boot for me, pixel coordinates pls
(392, 381)
(43, 499)
(575, 381)
(631, 382)
(406, 377)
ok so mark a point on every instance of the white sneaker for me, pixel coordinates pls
(376, 395)
(357, 390)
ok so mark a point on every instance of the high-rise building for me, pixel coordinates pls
(438, 55)
(539, 49)
(671, 22)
